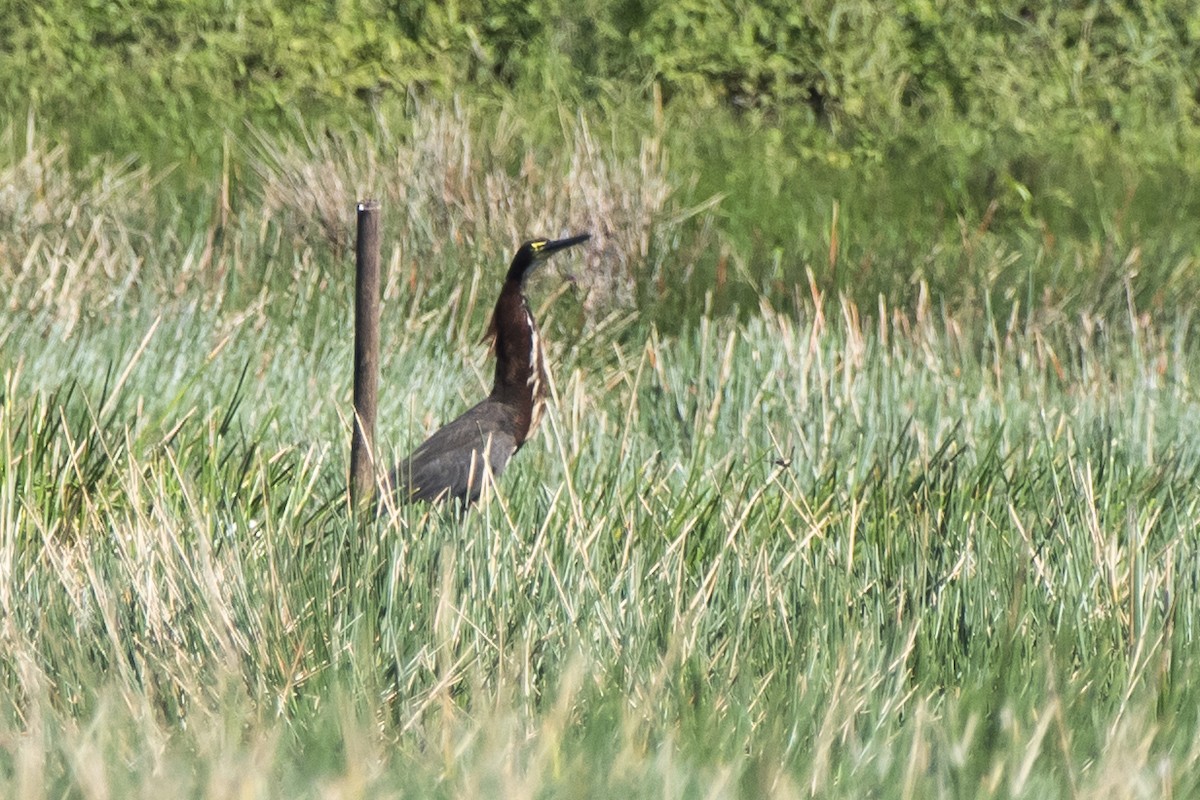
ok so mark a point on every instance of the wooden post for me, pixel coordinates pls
(366, 353)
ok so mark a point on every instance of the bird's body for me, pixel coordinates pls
(453, 462)
(457, 459)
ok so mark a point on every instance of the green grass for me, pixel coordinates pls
(936, 545)
(896, 554)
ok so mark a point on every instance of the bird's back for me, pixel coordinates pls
(453, 462)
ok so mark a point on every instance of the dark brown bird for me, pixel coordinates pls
(453, 461)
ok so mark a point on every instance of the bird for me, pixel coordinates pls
(453, 462)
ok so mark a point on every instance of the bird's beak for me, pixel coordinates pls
(563, 244)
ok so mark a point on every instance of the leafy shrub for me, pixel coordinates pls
(1064, 134)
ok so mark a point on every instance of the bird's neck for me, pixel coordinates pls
(520, 366)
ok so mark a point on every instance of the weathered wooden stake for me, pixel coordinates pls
(366, 354)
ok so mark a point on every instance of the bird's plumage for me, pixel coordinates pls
(456, 460)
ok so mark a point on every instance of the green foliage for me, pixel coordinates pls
(1041, 137)
(167, 78)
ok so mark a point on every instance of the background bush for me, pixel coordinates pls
(876, 146)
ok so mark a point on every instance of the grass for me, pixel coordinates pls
(812, 549)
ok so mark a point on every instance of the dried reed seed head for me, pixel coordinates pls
(448, 183)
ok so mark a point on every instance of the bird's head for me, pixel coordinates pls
(532, 253)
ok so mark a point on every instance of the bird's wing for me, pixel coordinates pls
(453, 461)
